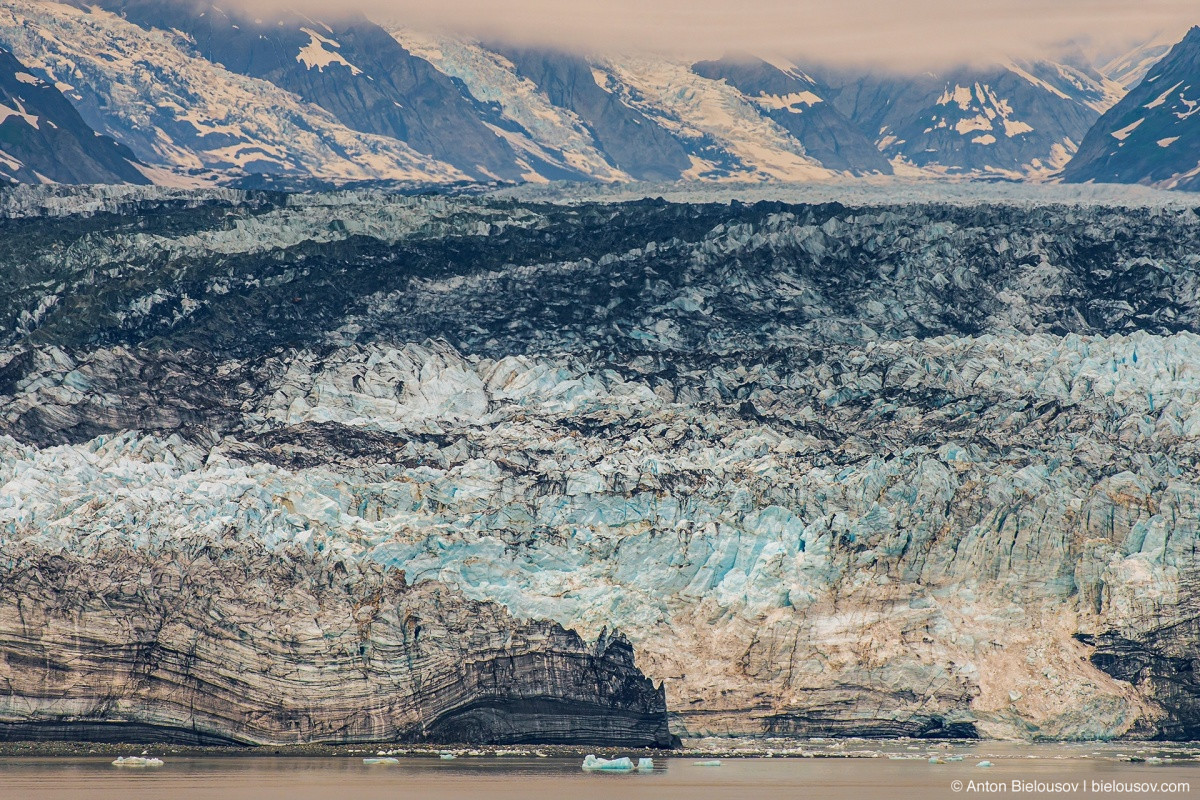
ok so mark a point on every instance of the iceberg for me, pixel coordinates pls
(381, 761)
(713, 763)
(137, 761)
(593, 764)
(645, 765)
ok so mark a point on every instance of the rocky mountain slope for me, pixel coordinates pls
(1153, 135)
(918, 469)
(43, 138)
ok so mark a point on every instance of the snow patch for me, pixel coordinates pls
(317, 53)
(961, 95)
(1123, 134)
(1162, 98)
(7, 111)
(977, 123)
(794, 102)
(1015, 128)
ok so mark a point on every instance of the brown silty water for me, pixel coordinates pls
(863, 771)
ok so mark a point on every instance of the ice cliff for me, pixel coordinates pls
(922, 469)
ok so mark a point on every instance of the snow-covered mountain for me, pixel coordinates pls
(1019, 119)
(1153, 135)
(203, 94)
(632, 142)
(43, 138)
(192, 118)
(349, 67)
(796, 102)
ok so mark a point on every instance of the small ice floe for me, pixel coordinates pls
(645, 765)
(985, 764)
(446, 756)
(954, 758)
(541, 754)
(593, 764)
(383, 760)
(138, 761)
(1154, 760)
(936, 760)
(713, 763)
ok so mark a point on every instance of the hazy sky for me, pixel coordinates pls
(910, 32)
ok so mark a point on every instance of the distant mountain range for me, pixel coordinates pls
(182, 92)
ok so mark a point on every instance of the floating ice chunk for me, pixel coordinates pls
(985, 764)
(447, 756)
(381, 760)
(645, 765)
(936, 760)
(138, 761)
(954, 758)
(713, 763)
(593, 764)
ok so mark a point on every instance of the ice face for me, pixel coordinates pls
(815, 454)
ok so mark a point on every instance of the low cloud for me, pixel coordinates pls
(901, 33)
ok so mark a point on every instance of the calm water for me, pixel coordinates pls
(900, 772)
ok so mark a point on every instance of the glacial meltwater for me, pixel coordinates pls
(822, 770)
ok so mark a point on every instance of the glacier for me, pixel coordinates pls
(872, 469)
